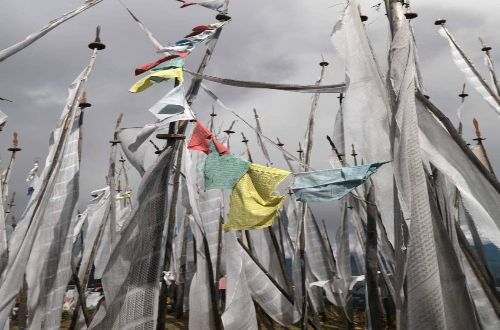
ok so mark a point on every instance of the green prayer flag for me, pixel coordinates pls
(223, 171)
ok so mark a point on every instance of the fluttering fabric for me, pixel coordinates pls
(173, 103)
(470, 72)
(7, 52)
(254, 204)
(331, 185)
(479, 196)
(174, 63)
(131, 279)
(41, 245)
(365, 109)
(239, 311)
(219, 5)
(199, 29)
(223, 171)
(168, 59)
(198, 35)
(201, 138)
(156, 77)
(426, 307)
(165, 110)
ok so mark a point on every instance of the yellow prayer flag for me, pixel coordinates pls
(147, 81)
(253, 202)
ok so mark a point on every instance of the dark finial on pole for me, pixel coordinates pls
(83, 102)
(97, 44)
(479, 138)
(300, 151)
(279, 144)
(354, 154)
(122, 160)
(244, 139)
(158, 150)
(484, 47)
(15, 144)
(230, 131)
(341, 97)
(463, 94)
(213, 114)
(364, 18)
(222, 17)
(323, 63)
(440, 22)
(410, 15)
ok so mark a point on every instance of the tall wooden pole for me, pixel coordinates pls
(478, 75)
(479, 139)
(13, 150)
(245, 141)
(462, 96)
(177, 147)
(302, 240)
(228, 132)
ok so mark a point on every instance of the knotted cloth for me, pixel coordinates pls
(253, 202)
(331, 185)
(223, 171)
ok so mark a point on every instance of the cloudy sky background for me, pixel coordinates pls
(273, 41)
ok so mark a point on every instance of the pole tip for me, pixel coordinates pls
(323, 63)
(440, 22)
(411, 15)
(221, 17)
(364, 18)
(97, 44)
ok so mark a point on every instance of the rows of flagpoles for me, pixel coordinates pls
(424, 260)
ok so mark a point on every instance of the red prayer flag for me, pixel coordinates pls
(149, 66)
(199, 29)
(200, 140)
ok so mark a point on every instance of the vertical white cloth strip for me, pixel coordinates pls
(365, 108)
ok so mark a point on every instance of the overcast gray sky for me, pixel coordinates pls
(274, 41)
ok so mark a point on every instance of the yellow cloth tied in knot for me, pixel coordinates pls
(253, 202)
(157, 76)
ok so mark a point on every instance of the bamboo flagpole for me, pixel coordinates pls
(479, 139)
(6, 177)
(176, 144)
(302, 242)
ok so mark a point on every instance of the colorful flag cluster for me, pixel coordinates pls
(175, 57)
(254, 202)
(173, 106)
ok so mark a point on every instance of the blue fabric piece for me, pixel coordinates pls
(184, 42)
(331, 185)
